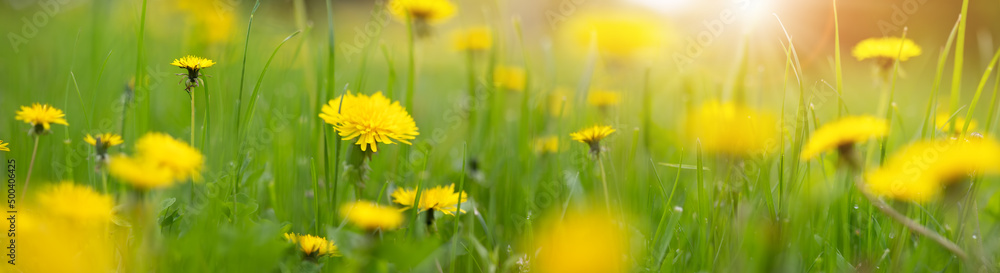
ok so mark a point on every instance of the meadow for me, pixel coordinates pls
(500, 136)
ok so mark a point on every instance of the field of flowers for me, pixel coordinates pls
(500, 136)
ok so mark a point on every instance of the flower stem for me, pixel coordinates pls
(31, 165)
(909, 223)
(604, 183)
(191, 94)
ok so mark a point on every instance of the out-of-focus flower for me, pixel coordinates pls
(843, 134)
(509, 77)
(371, 216)
(41, 116)
(592, 136)
(547, 145)
(212, 20)
(886, 50)
(477, 38)
(3, 146)
(731, 128)
(581, 242)
(313, 246)
(440, 198)
(618, 34)
(65, 230)
(604, 98)
(942, 123)
(160, 161)
(920, 171)
(559, 101)
(371, 119)
(425, 11)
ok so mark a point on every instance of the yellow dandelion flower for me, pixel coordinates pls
(105, 140)
(193, 65)
(919, 171)
(3, 146)
(142, 174)
(592, 136)
(183, 161)
(41, 117)
(618, 34)
(731, 128)
(422, 11)
(886, 50)
(313, 246)
(842, 133)
(604, 98)
(547, 145)
(76, 203)
(371, 119)
(580, 242)
(371, 216)
(941, 122)
(509, 77)
(473, 39)
(440, 198)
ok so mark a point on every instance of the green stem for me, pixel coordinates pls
(31, 165)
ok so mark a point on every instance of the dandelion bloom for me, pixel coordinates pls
(422, 11)
(945, 123)
(920, 171)
(604, 98)
(844, 133)
(41, 117)
(213, 18)
(440, 198)
(160, 161)
(580, 242)
(371, 119)
(473, 39)
(371, 216)
(313, 246)
(193, 65)
(183, 161)
(731, 128)
(106, 140)
(617, 34)
(886, 50)
(76, 203)
(139, 173)
(3, 146)
(67, 225)
(547, 145)
(509, 77)
(592, 136)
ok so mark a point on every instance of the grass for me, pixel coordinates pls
(273, 166)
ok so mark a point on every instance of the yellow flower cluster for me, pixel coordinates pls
(547, 145)
(604, 98)
(160, 161)
(440, 198)
(923, 169)
(370, 216)
(371, 119)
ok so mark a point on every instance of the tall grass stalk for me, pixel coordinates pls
(956, 76)
(929, 118)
